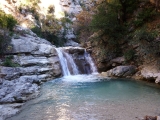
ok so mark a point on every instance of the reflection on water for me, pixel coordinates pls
(91, 97)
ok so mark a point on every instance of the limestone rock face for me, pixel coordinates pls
(38, 62)
(120, 71)
(150, 73)
(9, 110)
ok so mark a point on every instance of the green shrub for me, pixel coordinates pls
(7, 21)
(51, 37)
(145, 15)
(37, 30)
(5, 45)
(144, 35)
(11, 22)
(129, 55)
(108, 26)
(146, 41)
(9, 63)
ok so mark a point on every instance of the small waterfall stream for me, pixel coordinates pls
(90, 61)
(63, 62)
(71, 67)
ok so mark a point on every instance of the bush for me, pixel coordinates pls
(37, 30)
(106, 22)
(145, 15)
(146, 41)
(129, 55)
(5, 45)
(8, 62)
(51, 37)
(7, 21)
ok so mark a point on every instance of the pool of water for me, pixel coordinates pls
(91, 97)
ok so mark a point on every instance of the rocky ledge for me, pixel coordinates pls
(38, 62)
(120, 71)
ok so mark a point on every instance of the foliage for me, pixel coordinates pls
(8, 62)
(7, 21)
(81, 26)
(51, 9)
(129, 54)
(146, 41)
(5, 45)
(109, 28)
(144, 16)
(142, 35)
(37, 30)
(29, 2)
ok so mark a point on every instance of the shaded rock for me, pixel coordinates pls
(120, 71)
(119, 60)
(75, 50)
(150, 118)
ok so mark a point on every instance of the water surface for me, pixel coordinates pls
(91, 97)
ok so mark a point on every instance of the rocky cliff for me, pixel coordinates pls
(37, 62)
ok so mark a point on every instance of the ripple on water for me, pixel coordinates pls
(91, 97)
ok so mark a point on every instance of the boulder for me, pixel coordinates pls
(150, 73)
(120, 71)
(18, 90)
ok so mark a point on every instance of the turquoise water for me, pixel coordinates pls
(91, 97)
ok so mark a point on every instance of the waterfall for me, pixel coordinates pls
(72, 64)
(63, 62)
(90, 62)
(75, 61)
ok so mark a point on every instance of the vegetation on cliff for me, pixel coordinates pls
(123, 28)
(7, 22)
(109, 29)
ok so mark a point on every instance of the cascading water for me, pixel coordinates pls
(63, 62)
(75, 66)
(72, 64)
(90, 62)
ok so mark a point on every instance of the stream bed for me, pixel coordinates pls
(92, 97)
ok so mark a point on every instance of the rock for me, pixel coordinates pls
(75, 50)
(119, 60)
(150, 118)
(71, 43)
(18, 90)
(149, 73)
(158, 79)
(31, 60)
(38, 62)
(10, 73)
(120, 71)
(158, 117)
(9, 110)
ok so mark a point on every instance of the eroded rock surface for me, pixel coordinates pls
(120, 71)
(38, 62)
